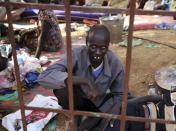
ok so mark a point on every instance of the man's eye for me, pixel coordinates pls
(102, 48)
(93, 47)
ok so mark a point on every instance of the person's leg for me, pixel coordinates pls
(80, 103)
(83, 104)
(138, 111)
(62, 97)
(132, 110)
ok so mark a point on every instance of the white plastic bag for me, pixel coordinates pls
(40, 118)
(149, 5)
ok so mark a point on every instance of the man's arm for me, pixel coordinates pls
(55, 75)
(145, 99)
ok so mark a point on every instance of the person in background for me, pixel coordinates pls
(50, 38)
(98, 77)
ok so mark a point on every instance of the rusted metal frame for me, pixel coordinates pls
(85, 113)
(34, 5)
(155, 12)
(127, 65)
(95, 114)
(69, 63)
(9, 107)
(64, 111)
(124, 11)
(130, 118)
(91, 9)
(103, 115)
(17, 72)
(61, 7)
(134, 118)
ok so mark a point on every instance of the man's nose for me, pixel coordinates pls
(98, 51)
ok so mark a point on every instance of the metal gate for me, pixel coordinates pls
(132, 11)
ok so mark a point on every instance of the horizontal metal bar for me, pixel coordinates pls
(155, 12)
(103, 115)
(90, 9)
(9, 107)
(33, 5)
(130, 118)
(95, 114)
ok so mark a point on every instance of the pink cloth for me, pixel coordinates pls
(143, 22)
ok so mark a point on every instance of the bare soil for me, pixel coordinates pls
(145, 61)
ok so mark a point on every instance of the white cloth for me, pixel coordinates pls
(10, 120)
(169, 115)
(153, 115)
(149, 5)
(173, 98)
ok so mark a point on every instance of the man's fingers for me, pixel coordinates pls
(112, 123)
(104, 123)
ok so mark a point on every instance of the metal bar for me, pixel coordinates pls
(69, 62)
(90, 9)
(103, 115)
(17, 73)
(156, 12)
(61, 7)
(130, 118)
(33, 5)
(127, 65)
(89, 114)
(9, 107)
(67, 8)
(66, 112)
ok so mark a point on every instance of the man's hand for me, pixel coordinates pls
(92, 92)
(88, 124)
(105, 122)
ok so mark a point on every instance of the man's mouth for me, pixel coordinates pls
(97, 57)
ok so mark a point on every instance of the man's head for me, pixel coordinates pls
(97, 40)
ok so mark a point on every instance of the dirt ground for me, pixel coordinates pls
(145, 61)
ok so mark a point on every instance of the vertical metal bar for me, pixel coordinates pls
(128, 64)
(17, 73)
(69, 61)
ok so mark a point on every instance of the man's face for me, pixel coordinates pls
(97, 52)
(98, 42)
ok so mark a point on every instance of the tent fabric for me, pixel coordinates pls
(32, 13)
